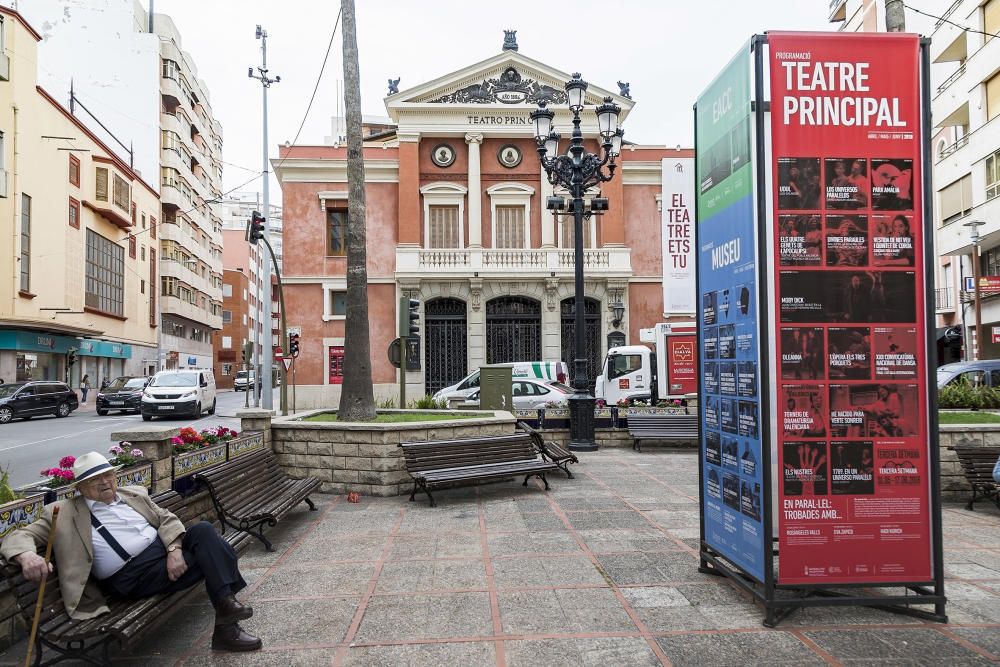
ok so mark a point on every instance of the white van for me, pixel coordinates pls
(554, 371)
(189, 391)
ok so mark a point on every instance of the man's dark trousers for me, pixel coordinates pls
(208, 557)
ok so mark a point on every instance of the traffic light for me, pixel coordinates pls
(409, 317)
(71, 356)
(255, 227)
(293, 345)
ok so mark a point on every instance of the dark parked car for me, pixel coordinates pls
(28, 399)
(124, 394)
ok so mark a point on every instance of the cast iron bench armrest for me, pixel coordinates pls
(977, 466)
(551, 451)
(252, 491)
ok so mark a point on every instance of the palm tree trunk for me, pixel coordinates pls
(357, 402)
(895, 16)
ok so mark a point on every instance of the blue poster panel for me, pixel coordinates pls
(732, 470)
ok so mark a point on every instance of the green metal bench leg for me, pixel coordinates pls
(414, 494)
(312, 507)
(544, 481)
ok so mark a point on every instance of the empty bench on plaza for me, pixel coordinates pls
(670, 428)
(91, 640)
(977, 465)
(551, 451)
(439, 463)
(252, 491)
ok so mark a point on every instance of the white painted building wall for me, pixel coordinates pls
(103, 46)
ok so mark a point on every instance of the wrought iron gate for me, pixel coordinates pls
(592, 335)
(446, 352)
(513, 330)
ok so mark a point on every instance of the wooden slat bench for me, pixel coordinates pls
(671, 428)
(252, 490)
(91, 640)
(977, 464)
(551, 451)
(441, 462)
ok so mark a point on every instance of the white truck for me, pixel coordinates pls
(667, 371)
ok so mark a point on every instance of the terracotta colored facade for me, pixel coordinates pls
(456, 218)
(227, 342)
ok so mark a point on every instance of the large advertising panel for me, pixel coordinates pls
(732, 466)
(853, 454)
(678, 236)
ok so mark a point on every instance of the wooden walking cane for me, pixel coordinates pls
(41, 586)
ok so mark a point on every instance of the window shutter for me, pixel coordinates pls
(956, 198)
(101, 189)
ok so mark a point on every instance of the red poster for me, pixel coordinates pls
(853, 455)
(682, 364)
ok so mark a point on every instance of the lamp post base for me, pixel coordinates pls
(581, 422)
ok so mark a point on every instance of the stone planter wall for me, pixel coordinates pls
(366, 457)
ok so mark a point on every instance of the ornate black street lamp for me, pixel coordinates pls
(577, 171)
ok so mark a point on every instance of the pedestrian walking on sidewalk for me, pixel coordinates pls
(84, 389)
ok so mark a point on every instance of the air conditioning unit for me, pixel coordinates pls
(3, 183)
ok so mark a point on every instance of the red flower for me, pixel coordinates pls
(67, 462)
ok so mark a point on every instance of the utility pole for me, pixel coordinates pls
(265, 356)
(895, 16)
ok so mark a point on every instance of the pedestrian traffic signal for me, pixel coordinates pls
(71, 356)
(255, 227)
(293, 345)
(409, 317)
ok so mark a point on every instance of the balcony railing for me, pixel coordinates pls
(948, 12)
(951, 79)
(835, 6)
(538, 260)
(951, 148)
(944, 298)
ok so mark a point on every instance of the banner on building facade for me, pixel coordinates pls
(854, 464)
(677, 224)
(732, 494)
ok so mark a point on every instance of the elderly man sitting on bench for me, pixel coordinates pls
(118, 542)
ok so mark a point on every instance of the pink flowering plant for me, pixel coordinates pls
(60, 476)
(214, 436)
(125, 454)
(190, 440)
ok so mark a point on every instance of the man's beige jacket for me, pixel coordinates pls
(73, 550)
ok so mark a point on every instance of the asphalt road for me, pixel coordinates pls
(26, 447)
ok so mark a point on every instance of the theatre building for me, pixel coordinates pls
(456, 218)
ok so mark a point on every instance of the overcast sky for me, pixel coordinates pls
(667, 49)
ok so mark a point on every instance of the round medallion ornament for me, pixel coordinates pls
(509, 155)
(443, 155)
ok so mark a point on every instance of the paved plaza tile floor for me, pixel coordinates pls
(600, 571)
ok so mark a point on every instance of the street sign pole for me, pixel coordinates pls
(404, 325)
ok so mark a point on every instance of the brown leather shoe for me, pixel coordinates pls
(234, 638)
(231, 610)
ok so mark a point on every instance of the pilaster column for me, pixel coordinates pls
(410, 219)
(475, 192)
(548, 220)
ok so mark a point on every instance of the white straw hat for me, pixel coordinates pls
(90, 465)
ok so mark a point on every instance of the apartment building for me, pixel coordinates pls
(965, 107)
(228, 342)
(237, 254)
(80, 275)
(130, 74)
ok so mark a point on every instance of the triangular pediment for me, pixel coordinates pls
(507, 80)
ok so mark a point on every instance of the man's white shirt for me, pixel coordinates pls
(127, 526)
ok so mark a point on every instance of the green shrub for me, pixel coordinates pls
(965, 396)
(386, 404)
(7, 493)
(427, 402)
